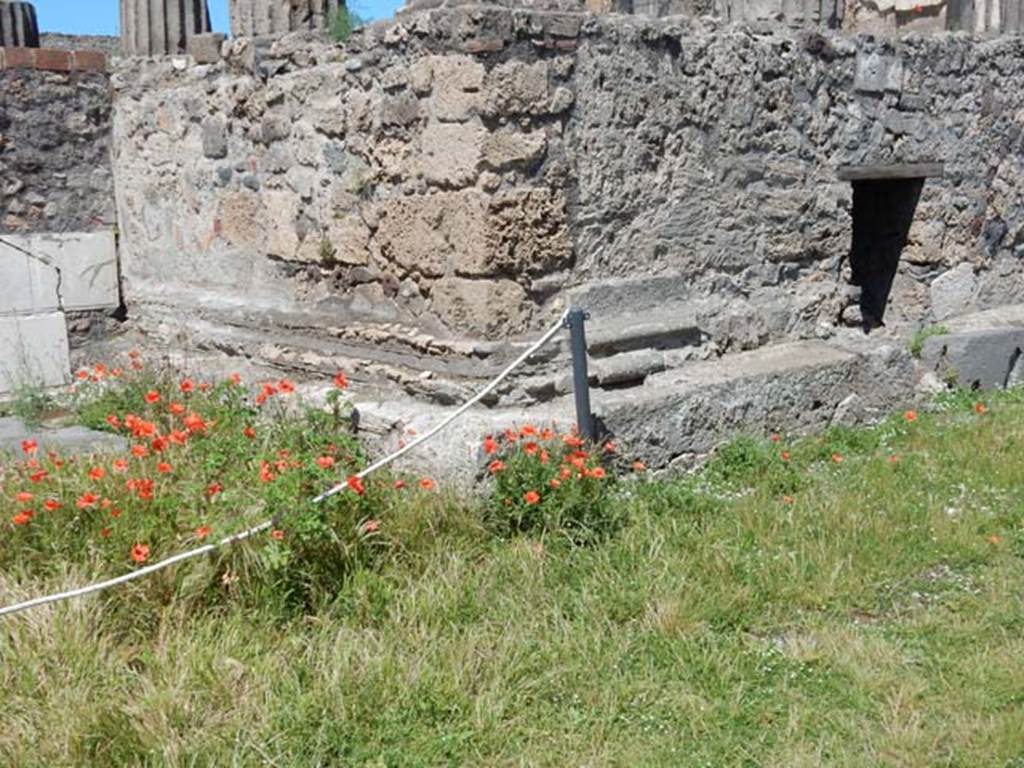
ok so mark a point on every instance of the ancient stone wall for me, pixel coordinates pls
(55, 129)
(458, 175)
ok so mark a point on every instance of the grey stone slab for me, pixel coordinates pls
(33, 351)
(63, 440)
(878, 72)
(982, 359)
(28, 285)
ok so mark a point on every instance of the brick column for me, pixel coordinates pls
(161, 27)
(18, 25)
(272, 18)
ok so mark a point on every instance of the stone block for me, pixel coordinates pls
(214, 132)
(90, 61)
(953, 291)
(878, 72)
(53, 60)
(457, 82)
(450, 153)
(983, 359)
(34, 351)
(505, 148)
(205, 48)
(488, 307)
(87, 266)
(515, 88)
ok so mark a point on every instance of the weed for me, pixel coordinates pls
(916, 343)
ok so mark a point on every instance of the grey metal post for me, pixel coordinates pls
(580, 377)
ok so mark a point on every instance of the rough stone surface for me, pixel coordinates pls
(64, 440)
(33, 351)
(55, 146)
(983, 359)
(953, 291)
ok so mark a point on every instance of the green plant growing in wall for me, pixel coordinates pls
(916, 344)
(343, 22)
(328, 253)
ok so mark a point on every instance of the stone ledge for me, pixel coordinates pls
(53, 60)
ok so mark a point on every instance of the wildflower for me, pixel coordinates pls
(152, 397)
(113, 421)
(203, 531)
(115, 512)
(140, 553)
(87, 500)
(355, 483)
(544, 457)
(547, 434)
(140, 451)
(531, 497)
(249, 432)
(178, 437)
(597, 473)
(38, 477)
(980, 408)
(266, 474)
(554, 482)
(164, 468)
(639, 466)
(24, 496)
(910, 416)
(120, 465)
(194, 423)
(993, 539)
(787, 499)
(116, 372)
(610, 447)
(531, 449)
(427, 484)
(285, 387)
(143, 488)
(105, 533)
(159, 444)
(837, 458)
(572, 441)
(785, 455)
(511, 435)
(496, 466)
(341, 380)
(204, 386)
(51, 505)
(277, 534)
(894, 459)
(490, 445)
(82, 375)
(325, 462)
(236, 379)
(528, 431)
(137, 365)
(187, 386)
(29, 447)
(176, 408)
(97, 473)
(775, 437)
(566, 473)
(213, 489)
(399, 485)
(371, 526)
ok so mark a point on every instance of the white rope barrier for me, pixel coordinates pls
(248, 533)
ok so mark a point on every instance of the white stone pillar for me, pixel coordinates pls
(18, 25)
(273, 18)
(161, 27)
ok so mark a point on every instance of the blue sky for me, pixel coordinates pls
(100, 17)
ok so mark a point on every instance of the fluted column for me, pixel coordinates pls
(272, 18)
(161, 27)
(18, 25)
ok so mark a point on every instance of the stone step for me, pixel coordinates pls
(681, 415)
(982, 350)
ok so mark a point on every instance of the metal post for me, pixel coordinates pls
(580, 378)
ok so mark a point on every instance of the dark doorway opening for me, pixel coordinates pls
(883, 210)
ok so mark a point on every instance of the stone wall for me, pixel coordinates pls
(455, 176)
(55, 130)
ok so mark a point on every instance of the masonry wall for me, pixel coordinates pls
(454, 177)
(55, 131)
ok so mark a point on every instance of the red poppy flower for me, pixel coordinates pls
(249, 432)
(178, 437)
(325, 462)
(531, 449)
(140, 451)
(547, 434)
(639, 466)
(120, 465)
(164, 468)
(531, 497)
(285, 387)
(554, 482)
(371, 526)
(140, 553)
(610, 447)
(980, 408)
(266, 472)
(194, 423)
(82, 375)
(341, 380)
(97, 473)
(837, 458)
(177, 409)
(490, 445)
(152, 397)
(277, 533)
(159, 444)
(785, 455)
(355, 483)
(105, 533)
(427, 484)
(572, 441)
(213, 489)
(528, 431)
(52, 505)
(235, 379)
(29, 447)
(23, 518)
(187, 386)
(597, 473)
(113, 421)
(544, 457)
(24, 496)
(399, 485)
(87, 500)
(775, 437)
(203, 531)
(496, 466)
(38, 477)
(910, 416)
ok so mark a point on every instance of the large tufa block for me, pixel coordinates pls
(273, 18)
(33, 351)
(161, 27)
(18, 25)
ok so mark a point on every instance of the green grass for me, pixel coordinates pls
(916, 343)
(857, 604)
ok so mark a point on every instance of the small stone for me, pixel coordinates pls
(215, 138)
